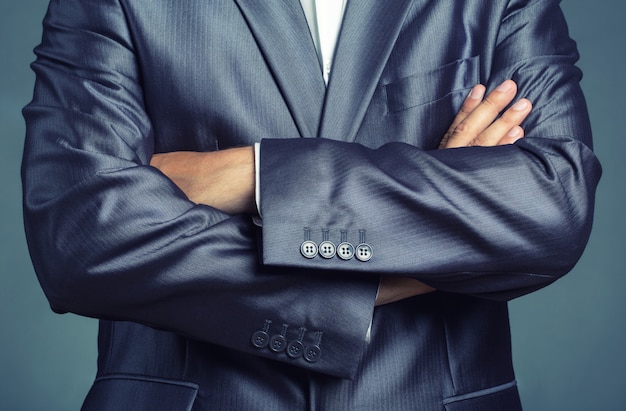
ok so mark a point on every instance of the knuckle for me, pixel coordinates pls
(469, 105)
(467, 109)
(507, 120)
(512, 118)
(461, 128)
(491, 104)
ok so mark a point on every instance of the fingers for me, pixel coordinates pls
(483, 125)
(506, 127)
(512, 136)
(471, 102)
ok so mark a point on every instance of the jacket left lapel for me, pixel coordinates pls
(368, 34)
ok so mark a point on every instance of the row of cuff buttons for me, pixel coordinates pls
(294, 349)
(345, 251)
(327, 249)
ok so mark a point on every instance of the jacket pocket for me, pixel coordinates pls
(432, 85)
(138, 393)
(500, 398)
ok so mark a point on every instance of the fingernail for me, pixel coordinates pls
(514, 132)
(520, 105)
(476, 93)
(504, 87)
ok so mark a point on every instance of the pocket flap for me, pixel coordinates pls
(122, 392)
(425, 87)
(501, 398)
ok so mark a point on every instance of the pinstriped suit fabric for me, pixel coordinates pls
(181, 289)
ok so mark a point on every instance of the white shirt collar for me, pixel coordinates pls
(324, 18)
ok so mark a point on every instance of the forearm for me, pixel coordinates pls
(127, 245)
(476, 220)
(111, 237)
(221, 179)
(490, 221)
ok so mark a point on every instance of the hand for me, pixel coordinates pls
(478, 124)
(222, 179)
(392, 289)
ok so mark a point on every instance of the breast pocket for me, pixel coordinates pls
(431, 86)
(421, 107)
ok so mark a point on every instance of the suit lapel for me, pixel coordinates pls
(368, 34)
(282, 33)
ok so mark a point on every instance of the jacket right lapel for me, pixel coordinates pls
(282, 33)
(370, 29)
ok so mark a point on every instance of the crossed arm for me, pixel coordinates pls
(225, 179)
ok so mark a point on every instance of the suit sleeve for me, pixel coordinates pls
(495, 222)
(111, 237)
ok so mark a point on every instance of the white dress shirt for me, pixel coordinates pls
(324, 18)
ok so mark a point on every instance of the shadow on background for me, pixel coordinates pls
(568, 339)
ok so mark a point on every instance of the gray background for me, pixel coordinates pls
(569, 339)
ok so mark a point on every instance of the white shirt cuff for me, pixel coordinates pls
(257, 183)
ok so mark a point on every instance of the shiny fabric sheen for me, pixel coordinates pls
(181, 288)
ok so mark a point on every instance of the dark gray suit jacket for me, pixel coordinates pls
(204, 310)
